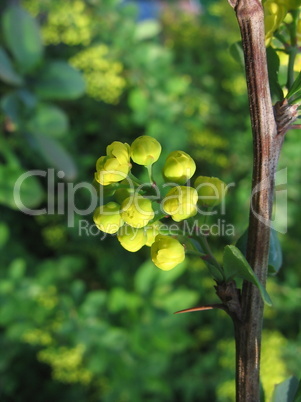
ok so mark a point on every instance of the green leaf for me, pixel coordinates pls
(235, 265)
(16, 104)
(49, 120)
(237, 53)
(55, 155)
(295, 87)
(7, 71)
(215, 273)
(30, 194)
(273, 70)
(275, 251)
(58, 80)
(22, 37)
(12, 107)
(286, 391)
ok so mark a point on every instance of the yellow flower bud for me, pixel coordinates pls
(107, 217)
(151, 232)
(122, 193)
(119, 151)
(137, 211)
(131, 239)
(167, 252)
(145, 150)
(211, 190)
(179, 167)
(181, 203)
(109, 170)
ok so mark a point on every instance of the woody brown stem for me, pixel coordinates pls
(266, 148)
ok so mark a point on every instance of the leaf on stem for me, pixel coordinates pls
(296, 87)
(286, 391)
(235, 265)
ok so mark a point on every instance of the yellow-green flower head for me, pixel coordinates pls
(137, 211)
(274, 13)
(151, 232)
(167, 252)
(211, 191)
(179, 167)
(132, 239)
(181, 202)
(107, 217)
(145, 150)
(109, 170)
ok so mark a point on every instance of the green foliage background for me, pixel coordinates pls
(82, 319)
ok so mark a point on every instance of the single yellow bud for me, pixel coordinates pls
(145, 150)
(211, 191)
(107, 217)
(132, 239)
(167, 252)
(137, 211)
(119, 151)
(109, 170)
(179, 167)
(181, 202)
(151, 232)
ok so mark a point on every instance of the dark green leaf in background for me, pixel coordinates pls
(58, 80)
(7, 71)
(55, 155)
(31, 192)
(49, 120)
(22, 37)
(12, 107)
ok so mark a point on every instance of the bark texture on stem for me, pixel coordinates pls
(266, 148)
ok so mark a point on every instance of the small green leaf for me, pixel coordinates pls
(22, 37)
(235, 265)
(7, 71)
(215, 273)
(30, 192)
(55, 155)
(286, 391)
(237, 53)
(58, 80)
(49, 120)
(295, 87)
(273, 69)
(275, 251)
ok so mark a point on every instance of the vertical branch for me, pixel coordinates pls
(266, 150)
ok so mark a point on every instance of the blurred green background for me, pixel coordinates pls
(82, 319)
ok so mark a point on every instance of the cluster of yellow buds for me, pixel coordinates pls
(133, 213)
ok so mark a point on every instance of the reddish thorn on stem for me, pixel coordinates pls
(202, 308)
